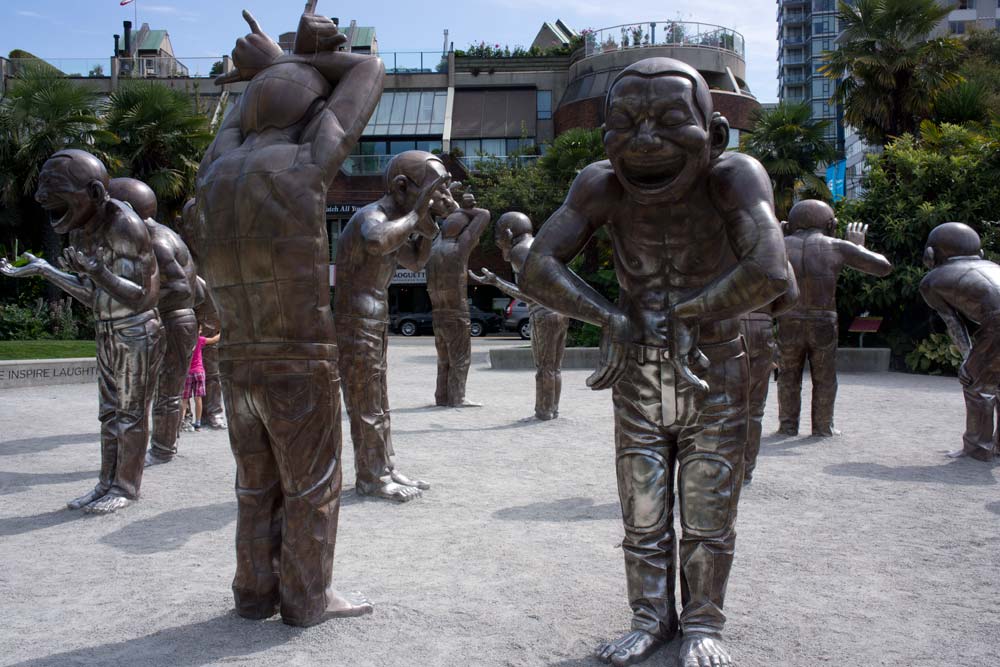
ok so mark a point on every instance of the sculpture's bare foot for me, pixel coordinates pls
(977, 454)
(111, 502)
(828, 432)
(96, 493)
(546, 416)
(217, 423)
(389, 490)
(788, 430)
(703, 651)
(465, 404)
(400, 478)
(154, 460)
(339, 606)
(747, 480)
(634, 647)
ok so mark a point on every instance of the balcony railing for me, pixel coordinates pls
(663, 33)
(473, 162)
(415, 62)
(151, 67)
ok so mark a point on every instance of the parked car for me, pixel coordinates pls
(516, 318)
(414, 324)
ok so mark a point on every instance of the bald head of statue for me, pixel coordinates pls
(660, 129)
(136, 194)
(812, 214)
(951, 239)
(410, 172)
(510, 226)
(71, 186)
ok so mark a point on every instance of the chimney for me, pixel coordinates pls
(117, 52)
(128, 38)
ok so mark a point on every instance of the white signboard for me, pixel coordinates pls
(407, 277)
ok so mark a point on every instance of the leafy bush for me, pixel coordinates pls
(40, 321)
(934, 355)
(582, 334)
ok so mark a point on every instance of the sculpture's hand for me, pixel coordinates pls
(615, 339)
(83, 263)
(251, 54)
(34, 267)
(317, 33)
(856, 233)
(964, 375)
(488, 277)
(427, 195)
(684, 350)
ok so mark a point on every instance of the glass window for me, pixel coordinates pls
(429, 145)
(494, 146)
(398, 109)
(397, 147)
(543, 101)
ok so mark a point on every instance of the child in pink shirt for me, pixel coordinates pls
(194, 386)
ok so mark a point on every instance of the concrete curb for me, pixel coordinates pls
(40, 372)
(849, 359)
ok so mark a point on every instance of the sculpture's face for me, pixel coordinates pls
(468, 201)
(443, 203)
(655, 137)
(69, 204)
(929, 261)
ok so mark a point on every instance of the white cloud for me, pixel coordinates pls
(31, 15)
(159, 9)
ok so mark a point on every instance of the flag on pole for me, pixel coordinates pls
(126, 2)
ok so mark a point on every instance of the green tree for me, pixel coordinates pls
(161, 140)
(889, 70)
(41, 114)
(975, 98)
(949, 173)
(791, 146)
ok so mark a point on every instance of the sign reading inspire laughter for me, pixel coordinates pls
(28, 373)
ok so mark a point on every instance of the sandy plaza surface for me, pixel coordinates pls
(865, 550)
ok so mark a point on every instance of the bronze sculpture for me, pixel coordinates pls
(178, 290)
(260, 234)
(809, 329)
(447, 285)
(964, 288)
(514, 236)
(207, 314)
(398, 228)
(109, 267)
(696, 245)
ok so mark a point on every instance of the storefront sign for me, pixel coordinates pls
(406, 277)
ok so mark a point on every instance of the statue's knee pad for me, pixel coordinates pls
(644, 486)
(707, 494)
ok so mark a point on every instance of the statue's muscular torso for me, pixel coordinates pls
(363, 277)
(970, 286)
(447, 271)
(122, 243)
(177, 270)
(664, 254)
(263, 247)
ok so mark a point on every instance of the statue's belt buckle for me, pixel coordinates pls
(645, 354)
(665, 377)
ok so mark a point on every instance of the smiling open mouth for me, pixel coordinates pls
(58, 212)
(652, 174)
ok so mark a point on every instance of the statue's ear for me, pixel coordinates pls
(718, 131)
(398, 186)
(96, 191)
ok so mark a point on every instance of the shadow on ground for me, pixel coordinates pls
(19, 525)
(567, 509)
(171, 530)
(13, 482)
(43, 444)
(960, 472)
(217, 640)
(994, 507)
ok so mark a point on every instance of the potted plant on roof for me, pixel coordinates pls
(609, 44)
(637, 35)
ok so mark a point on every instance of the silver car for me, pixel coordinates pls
(516, 318)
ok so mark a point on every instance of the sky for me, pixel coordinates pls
(57, 29)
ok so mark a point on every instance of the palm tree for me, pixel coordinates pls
(42, 113)
(888, 70)
(791, 146)
(161, 140)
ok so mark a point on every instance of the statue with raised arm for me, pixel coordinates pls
(260, 237)
(447, 285)
(809, 330)
(178, 293)
(110, 267)
(399, 228)
(964, 289)
(514, 236)
(205, 311)
(696, 245)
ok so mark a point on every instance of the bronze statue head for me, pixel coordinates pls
(468, 200)
(951, 239)
(71, 186)
(812, 214)
(509, 227)
(660, 130)
(136, 194)
(283, 96)
(409, 172)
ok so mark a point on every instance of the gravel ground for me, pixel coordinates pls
(868, 549)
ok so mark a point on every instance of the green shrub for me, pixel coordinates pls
(42, 321)
(934, 355)
(582, 334)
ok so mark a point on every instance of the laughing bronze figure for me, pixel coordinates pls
(110, 268)
(696, 245)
